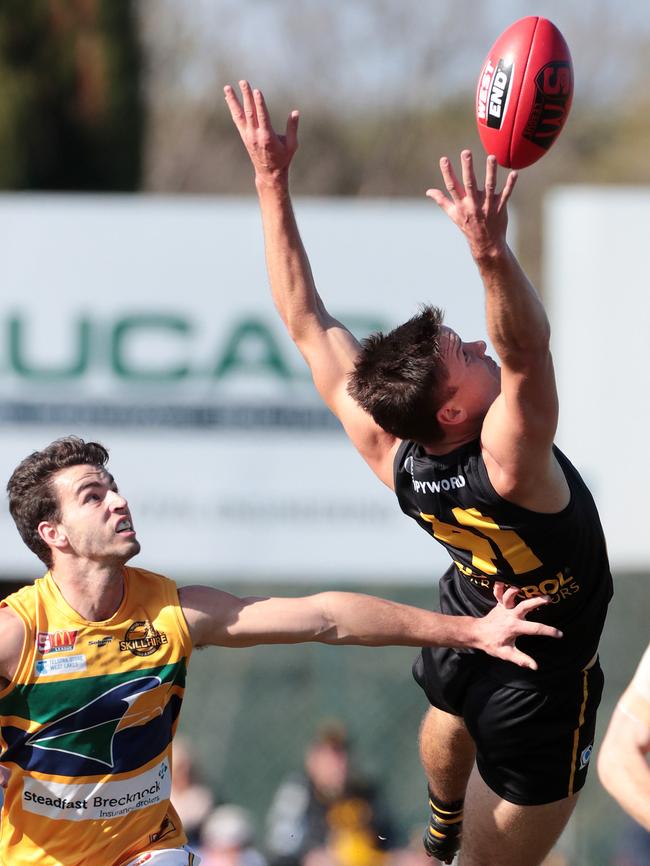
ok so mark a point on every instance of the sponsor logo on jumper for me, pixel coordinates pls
(89, 732)
(142, 639)
(64, 665)
(451, 483)
(55, 641)
(585, 756)
(493, 92)
(562, 585)
(474, 577)
(96, 800)
(102, 641)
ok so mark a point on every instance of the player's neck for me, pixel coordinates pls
(453, 440)
(92, 589)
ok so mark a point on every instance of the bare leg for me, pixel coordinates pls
(447, 753)
(498, 833)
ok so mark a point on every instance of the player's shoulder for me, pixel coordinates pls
(12, 638)
(10, 621)
(143, 577)
(151, 587)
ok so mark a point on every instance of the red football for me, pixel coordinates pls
(524, 92)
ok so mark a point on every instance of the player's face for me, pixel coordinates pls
(95, 519)
(475, 377)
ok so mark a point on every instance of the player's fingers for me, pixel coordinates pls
(261, 111)
(538, 629)
(498, 589)
(510, 597)
(292, 131)
(236, 111)
(440, 199)
(469, 177)
(521, 659)
(250, 111)
(490, 180)
(529, 604)
(506, 192)
(452, 183)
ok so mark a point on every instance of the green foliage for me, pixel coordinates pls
(71, 115)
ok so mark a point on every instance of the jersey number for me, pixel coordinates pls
(480, 538)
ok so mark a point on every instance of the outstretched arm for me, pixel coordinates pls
(327, 346)
(517, 434)
(218, 618)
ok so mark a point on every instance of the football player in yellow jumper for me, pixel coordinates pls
(93, 659)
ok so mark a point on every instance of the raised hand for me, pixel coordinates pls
(507, 621)
(270, 153)
(480, 214)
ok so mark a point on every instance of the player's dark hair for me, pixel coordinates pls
(32, 496)
(400, 378)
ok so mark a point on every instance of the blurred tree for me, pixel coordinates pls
(71, 112)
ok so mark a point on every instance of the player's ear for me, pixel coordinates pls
(52, 534)
(450, 414)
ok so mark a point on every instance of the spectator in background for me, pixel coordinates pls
(191, 799)
(326, 815)
(632, 846)
(623, 758)
(227, 839)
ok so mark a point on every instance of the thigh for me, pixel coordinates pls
(447, 753)
(499, 833)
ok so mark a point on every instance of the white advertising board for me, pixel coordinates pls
(597, 289)
(147, 324)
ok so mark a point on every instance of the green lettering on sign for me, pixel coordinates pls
(21, 366)
(127, 329)
(252, 348)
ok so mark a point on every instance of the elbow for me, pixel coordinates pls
(609, 767)
(526, 354)
(331, 628)
(602, 768)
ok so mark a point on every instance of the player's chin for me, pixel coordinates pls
(131, 547)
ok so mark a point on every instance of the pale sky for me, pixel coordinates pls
(390, 51)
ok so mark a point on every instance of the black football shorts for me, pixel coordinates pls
(534, 738)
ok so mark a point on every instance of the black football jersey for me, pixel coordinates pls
(489, 539)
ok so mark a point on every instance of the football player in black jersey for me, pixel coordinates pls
(467, 445)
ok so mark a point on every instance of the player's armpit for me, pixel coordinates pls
(330, 354)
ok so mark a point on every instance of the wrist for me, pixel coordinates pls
(274, 181)
(469, 633)
(491, 256)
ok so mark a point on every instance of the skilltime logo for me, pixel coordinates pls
(142, 639)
